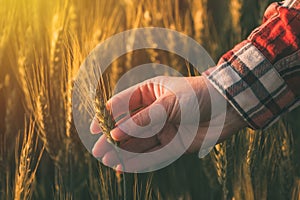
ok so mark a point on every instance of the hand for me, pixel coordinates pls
(161, 118)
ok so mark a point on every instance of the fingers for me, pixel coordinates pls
(95, 127)
(135, 145)
(101, 147)
(119, 103)
(139, 160)
(142, 162)
(106, 151)
(143, 124)
(130, 99)
(133, 161)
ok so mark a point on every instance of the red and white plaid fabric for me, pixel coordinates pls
(259, 76)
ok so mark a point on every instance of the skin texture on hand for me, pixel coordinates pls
(158, 111)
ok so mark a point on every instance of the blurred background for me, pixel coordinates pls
(42, 45)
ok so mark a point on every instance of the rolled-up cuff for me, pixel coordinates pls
(252, 86)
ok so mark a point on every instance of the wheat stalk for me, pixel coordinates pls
(219, 157)
(296, 190)
(199, 14)
(27, 162)
(235, 11)
(286, 168)
(107, 122)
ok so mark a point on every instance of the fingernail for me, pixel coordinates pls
(113, 133)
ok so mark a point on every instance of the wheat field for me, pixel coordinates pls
(42, 45)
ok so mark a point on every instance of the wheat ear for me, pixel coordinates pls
(103, 115)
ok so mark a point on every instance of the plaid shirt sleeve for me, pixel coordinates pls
(260, 76)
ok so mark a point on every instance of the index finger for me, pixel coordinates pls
(129, 100)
